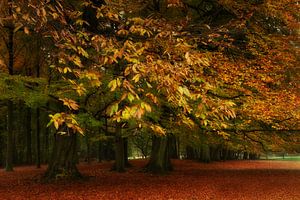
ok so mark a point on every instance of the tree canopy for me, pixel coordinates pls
(227, 70)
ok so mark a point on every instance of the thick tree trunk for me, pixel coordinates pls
(205, 153)
(225, 154)
(159, 160)
(63, 159)
(215, 153)
(127, 164)
(190, 153)
(119, 150)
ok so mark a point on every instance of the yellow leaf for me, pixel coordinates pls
(136, 78)
(126, 113)
(56, 125)
(66, 70)
(146, 106)
(149, 85)
(112, 85)
(158, 129)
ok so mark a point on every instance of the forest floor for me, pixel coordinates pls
(241, 180)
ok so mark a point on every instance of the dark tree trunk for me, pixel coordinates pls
(28, 135)
(38, 124)
(100, 151)
(108, 149)
(47, 131)
(119, 150)
(9, 147)
(1, 152)
(15, 139)
(205, 153)
(215, 152)
(46, 148)
(63, 159)
(88, 150)
(126, 161)
(10, 47)
(172, 147)
(159, 159)
(38, 139)
(190, 153)
(224, 154)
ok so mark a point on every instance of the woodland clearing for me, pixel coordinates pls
(243, 180)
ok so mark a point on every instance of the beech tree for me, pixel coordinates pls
(149, 62)
(219, 75)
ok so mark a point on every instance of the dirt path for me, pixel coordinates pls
(241, 180)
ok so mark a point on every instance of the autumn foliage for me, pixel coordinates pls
(221, 77)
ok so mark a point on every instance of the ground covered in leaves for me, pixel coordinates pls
(190, 180)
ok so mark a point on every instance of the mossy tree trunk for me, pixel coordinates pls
(159, 159)
(63, 159)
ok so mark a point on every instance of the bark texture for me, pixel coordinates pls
(64, 158)
(159, 160)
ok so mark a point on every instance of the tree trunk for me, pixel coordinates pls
(38, 139)
(119, 145)
(88, 150)
(215, 153)
(172, 146)
(205, 153)
(190, 153)
(9, 147)
(126, 161)
(63, 158)
(10, 48)
(38, 124)
(47, 131)
(1, 151)
(159, 160)
(28, 135)
(100, 151)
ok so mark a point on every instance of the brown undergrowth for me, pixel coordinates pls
(241, 180)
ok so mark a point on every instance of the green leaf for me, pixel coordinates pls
(113, 109)
(130, 97)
